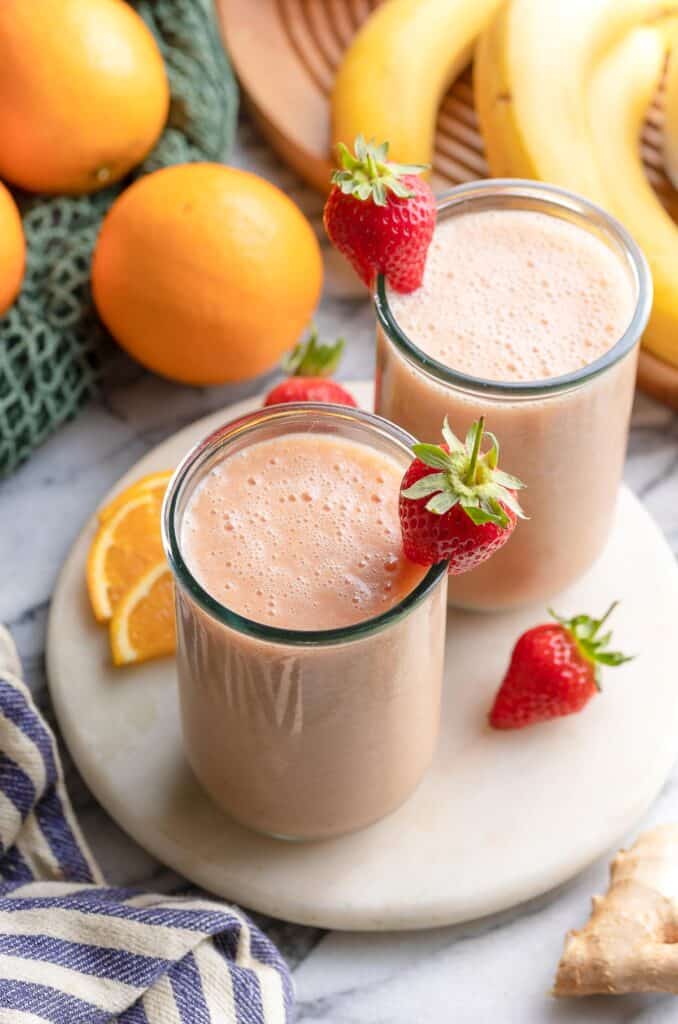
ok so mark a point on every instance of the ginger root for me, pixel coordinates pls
(630, 942)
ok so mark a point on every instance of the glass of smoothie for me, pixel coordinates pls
(530, 313)
(309, 650)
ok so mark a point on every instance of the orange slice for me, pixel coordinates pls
(154, 483)
(142, 626)
(127, 543)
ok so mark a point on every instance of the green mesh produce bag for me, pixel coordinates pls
(52, 346)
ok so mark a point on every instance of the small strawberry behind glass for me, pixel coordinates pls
(310, 364)
(456, 504)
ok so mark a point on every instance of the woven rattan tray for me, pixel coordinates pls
(286, 53)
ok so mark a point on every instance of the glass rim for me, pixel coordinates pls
(183, 576)
(555, 198)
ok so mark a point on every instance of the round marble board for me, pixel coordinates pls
(500, 817)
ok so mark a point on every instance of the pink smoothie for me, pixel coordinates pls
(517, 295)
(300, 532)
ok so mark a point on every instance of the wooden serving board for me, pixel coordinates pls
(286, 53)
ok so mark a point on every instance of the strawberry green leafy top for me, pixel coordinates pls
(467, 478)
(369, 175)
(585, 631)
(312, 358)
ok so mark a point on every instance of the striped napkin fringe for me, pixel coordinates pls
(76, 951)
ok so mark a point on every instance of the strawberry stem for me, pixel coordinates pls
(605, 617)
(477, 441)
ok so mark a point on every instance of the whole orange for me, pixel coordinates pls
(205, 273)
(12, 250)
(83, 93)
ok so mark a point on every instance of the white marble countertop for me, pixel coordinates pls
(495, 970)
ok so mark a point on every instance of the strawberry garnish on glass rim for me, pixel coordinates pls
(310, 364)
(455, 503)
(554, 670)
(380, 215)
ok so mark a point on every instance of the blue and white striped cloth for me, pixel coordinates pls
(76, 951)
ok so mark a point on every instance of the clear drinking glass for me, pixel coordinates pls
(304, 734)
(565, 436)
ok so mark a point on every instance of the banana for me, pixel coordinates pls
(397, 69)
(561, 92)
(532, 70)
(671, 115)
(621, 90)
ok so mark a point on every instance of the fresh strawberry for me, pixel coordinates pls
(310, 363)
(554, 671)
(380, 215)
(309, 389)
(455, 504)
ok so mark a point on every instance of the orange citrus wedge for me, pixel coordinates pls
(127, 543)
(154, 483)
(142, 625)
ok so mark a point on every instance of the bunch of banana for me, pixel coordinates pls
(671, 113)
(397, 69)
(561, 90)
